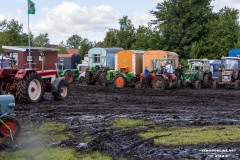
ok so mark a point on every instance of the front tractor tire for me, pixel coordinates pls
(159, 83)
(30, 88)
(120, 81)
(103, 79)
(88, 78)
(69, 76)
(207, 80)
(10, 127)
(197, 84)
(237, 85)
(62, 91)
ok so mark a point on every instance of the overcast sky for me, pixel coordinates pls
(87, 18)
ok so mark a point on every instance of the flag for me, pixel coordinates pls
(31, 7)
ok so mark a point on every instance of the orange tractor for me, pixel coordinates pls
(159, 79)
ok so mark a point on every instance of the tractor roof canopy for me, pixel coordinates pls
(199, 64)
(230, 63)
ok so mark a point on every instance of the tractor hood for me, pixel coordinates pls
(190, 75)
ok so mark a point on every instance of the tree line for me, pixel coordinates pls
(187, 27)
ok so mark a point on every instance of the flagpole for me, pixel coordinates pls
(29, 52)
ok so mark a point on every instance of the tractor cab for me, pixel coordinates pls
(59, 66)
(200, 65)
(158, 66)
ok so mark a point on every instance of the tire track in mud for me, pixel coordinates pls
(91, 109)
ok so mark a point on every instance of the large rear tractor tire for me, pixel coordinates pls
(103, 79)
(207, 80)
(62, 92)
(2, 87)
(120, 81)
(237, 85)
(88, 78)
(10, 127)
(30, 88)
(158, 83)
(69, 76)
(197, 84)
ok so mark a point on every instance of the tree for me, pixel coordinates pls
(41, 40)
(74, 41)
(182, 22)
(110, 39)
(85, 45)
(125, 36)
(222, 35)
(12, 33)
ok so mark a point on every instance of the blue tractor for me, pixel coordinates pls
(9, 125)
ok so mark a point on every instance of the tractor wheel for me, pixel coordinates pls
(69, 77)
(237, 85)
(63, 91)
(2, 87)
(10, 127)
(207, 80)
(120, 81)
(138, 85)
(30, 88)
(81, 79)
(103, 79)
(88, 78)
(215, 84)
(159, 83)
(197, 84)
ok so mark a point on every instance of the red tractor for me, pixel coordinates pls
(29, 85)
(159, 79)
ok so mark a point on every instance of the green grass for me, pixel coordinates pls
(86, 139)
(37, 142)
(125, 123)
(52, 154)
(176, 136)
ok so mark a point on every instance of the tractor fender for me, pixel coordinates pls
(56, 83)
(122, 74)
(22, 73)
(66, 70)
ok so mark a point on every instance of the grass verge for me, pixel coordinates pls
(177, 136)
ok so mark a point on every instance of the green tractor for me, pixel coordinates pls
(97, 74)
(70, 74)
(198, 74)
(104, 76)
(123, 78)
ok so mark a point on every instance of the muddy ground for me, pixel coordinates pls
(91, 109)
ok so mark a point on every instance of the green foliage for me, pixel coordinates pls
(41, 40)
(176, 136)
(12, 34)
(126, 33)
(74, 41)
(85, 45)
(222, 34)
(182, 22)
(110, 39)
